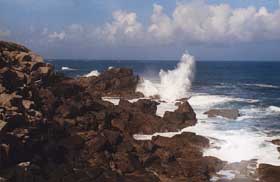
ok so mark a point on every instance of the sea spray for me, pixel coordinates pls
(92, 73)
(174, 84)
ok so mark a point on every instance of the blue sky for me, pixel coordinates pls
(150, 29)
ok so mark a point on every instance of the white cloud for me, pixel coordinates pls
(201, 22)
(124, 26)
(161, 25)
(57, 36)
(189, 23)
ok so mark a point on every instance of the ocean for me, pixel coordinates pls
(251, 87)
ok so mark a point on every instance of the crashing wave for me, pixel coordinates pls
(92, 73)
(263, 85)
(174, 84)
(65, 68)
(274, 109)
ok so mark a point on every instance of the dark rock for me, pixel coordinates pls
(54, 128)
(146, 106)
(182, 117)
(226, 113)
(276, 142)
(114, 82)
(269, 173)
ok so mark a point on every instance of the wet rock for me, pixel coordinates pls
(182, 117)
(115, 82)
(226, 113)
(146, 106)
(269, 173)
(276, 142)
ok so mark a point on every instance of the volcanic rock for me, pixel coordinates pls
(226, 113)
(269, 173)
(54, 128)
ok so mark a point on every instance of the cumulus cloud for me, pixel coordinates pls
(190, 23)
(124, 27)
(56, 36)
(201, 22)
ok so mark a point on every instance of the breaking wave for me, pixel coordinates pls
(273, 109)
(92, 73)
(174, 84)
(263, 85)
(65, 68)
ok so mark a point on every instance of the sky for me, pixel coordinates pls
(144, 30)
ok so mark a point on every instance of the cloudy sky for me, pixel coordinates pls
(149, 29)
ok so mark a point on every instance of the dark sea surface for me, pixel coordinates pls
(251, 80)
(251, 87)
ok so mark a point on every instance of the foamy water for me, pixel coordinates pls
(92, 73)
(228, 145)
(231, 140)
(173, 83)
(65, 68)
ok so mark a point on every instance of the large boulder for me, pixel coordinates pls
(269, 173)
(115, 82)
(182, 117)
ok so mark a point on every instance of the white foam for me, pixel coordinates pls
(274, 109)
(237, 145)
(227, 145)
(203, 101)
(224, 174)
(92, 73)
(115, 101)
(263, 85)
(65, 68)
(165, 106)
(174, 84)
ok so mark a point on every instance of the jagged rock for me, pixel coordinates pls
(182, 117)
(27, 104)
(276, 142)
(146, 106)
(4, 155)
(2, 125)
(59, 129)
(114, 82)
(269, 173)
(226, 113)
(10, 100)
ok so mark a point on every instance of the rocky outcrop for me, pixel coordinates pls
(226, 113)
(114, 82)
(269, 173)
(181, 118)
(54, 128)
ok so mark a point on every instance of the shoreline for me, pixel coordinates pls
(50, 121)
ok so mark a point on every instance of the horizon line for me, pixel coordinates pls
(157, 60)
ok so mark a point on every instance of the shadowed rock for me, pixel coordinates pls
(54, 128)
(226, 113)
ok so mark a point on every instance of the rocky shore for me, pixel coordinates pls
(54, 128)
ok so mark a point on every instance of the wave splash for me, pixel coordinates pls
(92, 73)
(274, 109)
(174, 84)
(65, 68)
